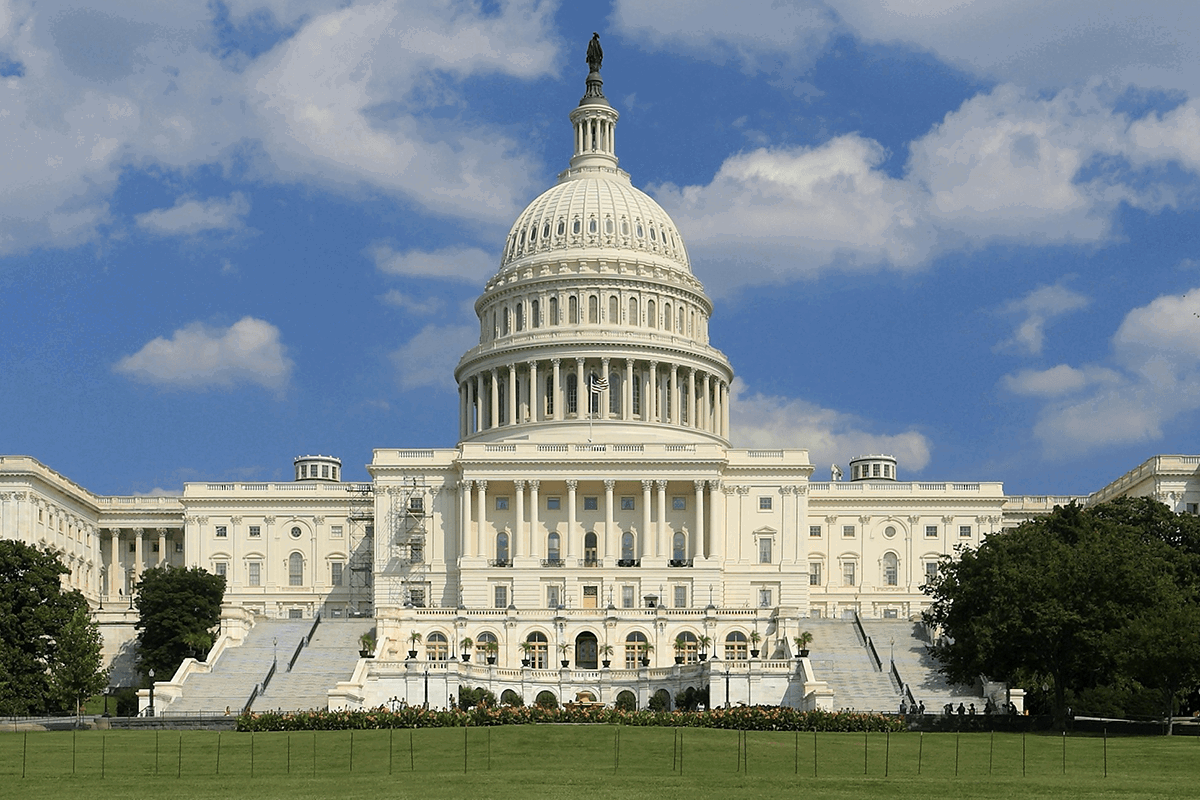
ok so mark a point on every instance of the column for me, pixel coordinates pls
(494, 413)
(674, 412)
(660, 529)
(725, 409)
(693, 422)
(512, 395)
(557, 389)
(479, 414)
(717, 534)
(535, 405)
(162, 547)
(706, 405)
(114, 560)
(603, 400)
(519, 536)
(647, 531)
(139, 536)
(582, 394)
(568, 547)
(650, 400)
(464, 518)
(718, 414)
(609, 526)
(699, 548)
(481, 514)
(462, 411)
(627, 391)
(533, 545)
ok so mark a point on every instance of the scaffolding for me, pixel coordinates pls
(361, 517)
(403, 563)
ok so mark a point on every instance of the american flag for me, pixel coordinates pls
(599, 384)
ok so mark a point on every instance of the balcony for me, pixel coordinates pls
(553, 562)
(591, 563)
(629, 562)
(499, 562)
(680, 562)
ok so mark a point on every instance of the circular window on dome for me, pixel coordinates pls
(608, 226)
(889, 532)
(296, 533)
(576, 227)
(562, 227)
(592, 225)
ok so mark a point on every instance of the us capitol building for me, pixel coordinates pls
(593, 520)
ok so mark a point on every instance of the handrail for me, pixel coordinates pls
(867, 642)
(259, 688)
(306, 640)
(295, 655)
(313, 630)
(250, 702)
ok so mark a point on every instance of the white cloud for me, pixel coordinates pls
(1058, 380)
(1036, 310)
(427, 359)
(412, 305)
(831, 437)
(198, 356)
(189, 217)
(468, 264)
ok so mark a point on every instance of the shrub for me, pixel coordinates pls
(546, 699)
(510, 698)
(626, 701)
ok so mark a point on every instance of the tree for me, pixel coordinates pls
(47, 639)
(178, 611)
(1071, 600)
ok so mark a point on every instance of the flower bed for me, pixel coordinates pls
(752, 718)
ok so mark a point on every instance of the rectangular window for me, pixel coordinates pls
(764, 504)
(502, 504)
(255, 532)
(417, 596)
(931, 532)
(930, 571)
(626, 597)
(764, 551)
(627, 504)
(324, 470)
(1193, 508)
(891, 613)
(222, 532)
(501, 597)
(964, 531)
(847, 531)
(154, 547)
(335, 573)
(553, 503)
(591, 503)
(179, 547)
(222, 568)
(848, 573)
(553, 597)
(764, 598)
(681, 596)
(814, 573)
(416, 505)
(255, 576)
(814, 531)
(679, 504)
(133, 547)
(335, 531)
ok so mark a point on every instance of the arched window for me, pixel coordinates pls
(549, 395)
(295, 569)
(589, 549)
(553, 547)
(502, 548)
(593, 309)
(891, 569)
(651, 315)
(481, 645)
(688, 646)
(637, 394)
(634, 317)
(735, 647)
(627, 547)
(593, 397)
(501, 403)
(667, 316)
(614, 393)
(537, 650)
(572, 393)
(635, 649)
(535, 314)
(679, 320)
(506, 323)
(678, 547)
(684, 401)
(436, 647)
(520, 316)
(553, 311)
(573, 310)
(614, 310)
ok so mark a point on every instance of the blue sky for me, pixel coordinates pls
(960, 232)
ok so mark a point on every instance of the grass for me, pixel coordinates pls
(582, 761)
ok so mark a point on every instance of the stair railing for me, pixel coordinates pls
(260, 687)
(307, 639)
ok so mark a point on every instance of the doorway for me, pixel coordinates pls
(586, 651)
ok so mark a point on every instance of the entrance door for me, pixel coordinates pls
(591, 595)
(585, 651)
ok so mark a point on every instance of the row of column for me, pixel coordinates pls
(675, 395)
(529, 537)
(117, 566)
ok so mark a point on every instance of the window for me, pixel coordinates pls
(626, 597)
(678, 547)
(295, 570)
(931, 571)
(256, 532)
(651, 314)
(222, 568)
(1193, 508)
(254, 570)
(179, 547)
(627, 551)
(573, 302)
(614, 313)
(764, 550)
(891, 569)
(764, 504)
(688, 646)
(735, 647)
(964, 531)
(502, 549)
(222, 532)
(553, 596)
(627, 504)
(931, 532)
(634, 317)
(679, 504)
(591, 503)
(764, 598)
(814, 573)
(681, 594)
(590, 556)
(572, 394)
(481, 645)
(553, 547)
(500, 596)
(814, 531)
(534, 314)
(635, 649)
(848, 573)
(553, 306)
(553, 503)
(847, 531)
(296, 533)
(538, 651)
(593, 309)
(502, 504)
(324, 470)
(335, 573)
(436, 647)
(416, 504)
(889, 532)
(416, 597)
(335, 532)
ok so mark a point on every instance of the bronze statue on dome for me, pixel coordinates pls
(595, 54)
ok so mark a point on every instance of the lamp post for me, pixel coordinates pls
(151, 674)
(426, 687)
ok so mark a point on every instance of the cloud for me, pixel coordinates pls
(1154, 379)
(190, 217)
(468, 264)
(198, 356)
(424, 359)
(412, 305)
(1036, 310)
(830, 436)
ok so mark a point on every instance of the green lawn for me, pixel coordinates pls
(581, 761)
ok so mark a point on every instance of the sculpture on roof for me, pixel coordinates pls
(595, 53)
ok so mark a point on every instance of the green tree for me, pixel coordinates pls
(80, 672)
(1065, 600)
(41, 637)
(178, 611)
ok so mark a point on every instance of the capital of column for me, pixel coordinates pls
(699, 486)
(572, 485)
(647, 485)
(661, 484)
(555, 362)
(465, 484)
(533, 485)
(715, 486)
(161, 531)
(520, 485)
(139, 532)
(481, 485)
(786, 489)
(236, 520)
(609, 484)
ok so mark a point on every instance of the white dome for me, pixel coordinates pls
(594, 207)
